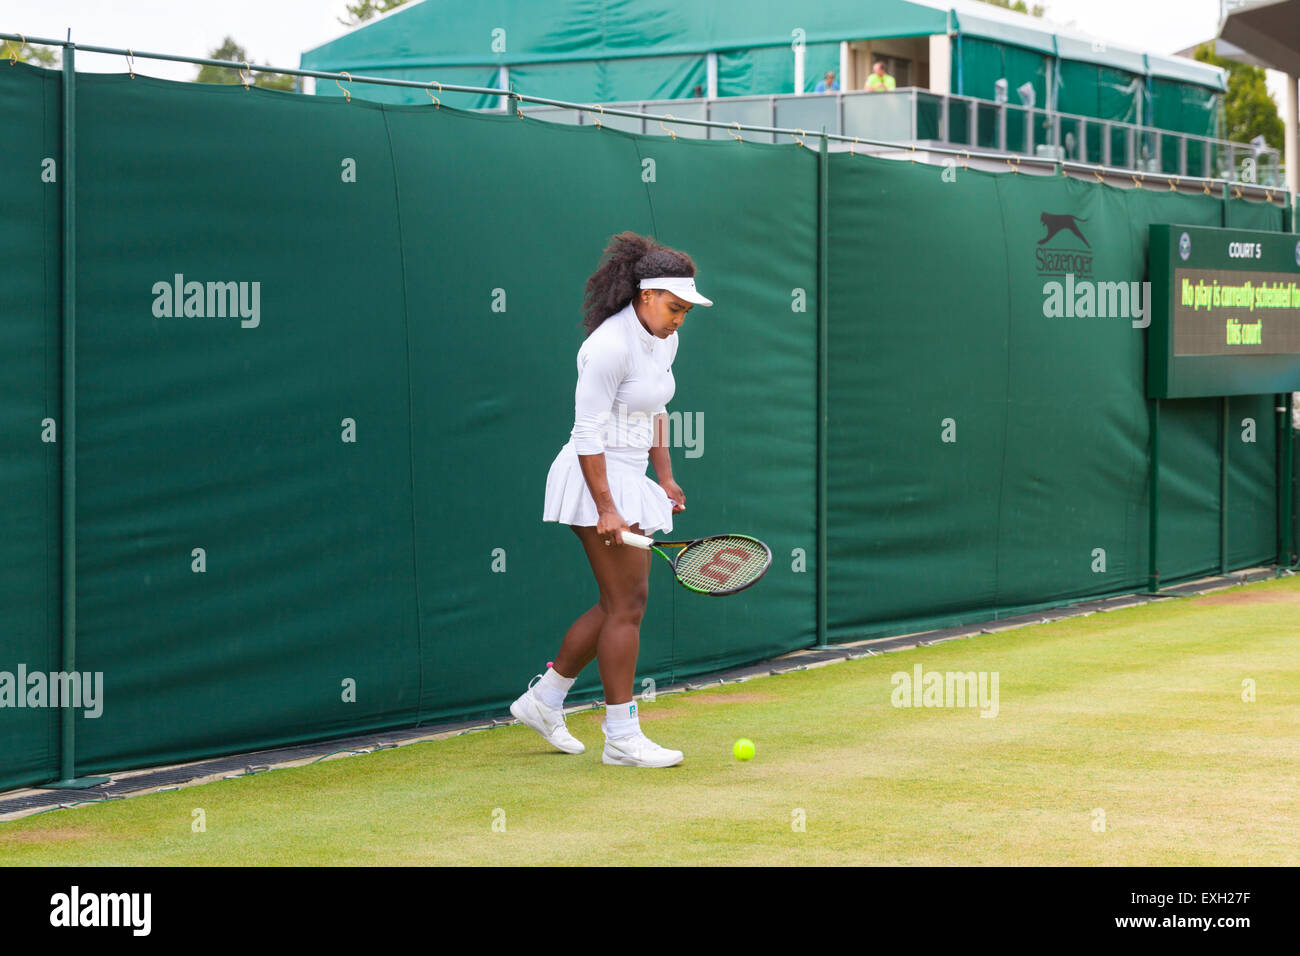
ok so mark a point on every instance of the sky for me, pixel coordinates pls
(276, 32)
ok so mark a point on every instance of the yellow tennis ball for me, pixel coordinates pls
(743, 749)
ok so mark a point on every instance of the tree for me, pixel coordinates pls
(1248, 107)
(363, 11)
(230, 50)
(1019, 6)
(46, 56)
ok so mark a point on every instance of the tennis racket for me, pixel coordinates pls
(718, 565)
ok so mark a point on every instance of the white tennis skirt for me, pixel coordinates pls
(639, 500)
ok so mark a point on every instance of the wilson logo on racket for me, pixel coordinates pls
(717, 565)
(724, 564)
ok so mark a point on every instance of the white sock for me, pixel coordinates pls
(552, 688)
(621, 720)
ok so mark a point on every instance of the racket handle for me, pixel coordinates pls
(637, 540)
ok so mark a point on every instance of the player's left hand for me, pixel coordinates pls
(674, 491)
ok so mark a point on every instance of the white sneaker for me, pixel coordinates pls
(637, 750)
(548, 721)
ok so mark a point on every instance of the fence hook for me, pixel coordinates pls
(346, 94)
(13, 54)
(436, 102)
(733, 135)
(244, 77)
(666, 129)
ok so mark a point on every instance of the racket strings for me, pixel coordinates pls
(723, 563)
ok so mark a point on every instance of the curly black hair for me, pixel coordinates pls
(627, 260)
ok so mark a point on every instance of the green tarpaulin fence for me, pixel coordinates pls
(1045, 461)
(333, 485)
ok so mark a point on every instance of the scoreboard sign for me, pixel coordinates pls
(1225, 312)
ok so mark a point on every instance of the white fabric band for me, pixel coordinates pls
(683, 286)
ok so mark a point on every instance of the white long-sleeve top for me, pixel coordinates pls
(624, 379)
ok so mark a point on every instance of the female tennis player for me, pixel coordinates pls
(636, 300)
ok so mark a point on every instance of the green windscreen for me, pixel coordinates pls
(987, 457)
(30, 424)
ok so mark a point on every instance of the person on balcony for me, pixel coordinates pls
(879, 79)
(827, 84)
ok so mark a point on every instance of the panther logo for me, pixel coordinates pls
(1055, 222)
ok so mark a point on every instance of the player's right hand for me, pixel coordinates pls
(609, 526)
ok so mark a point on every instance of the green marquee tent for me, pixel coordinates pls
(624, 50)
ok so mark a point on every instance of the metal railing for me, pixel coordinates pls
(730, 115)
(914, 116)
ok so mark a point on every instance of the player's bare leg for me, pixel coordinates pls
(578, 649)
(623, 574)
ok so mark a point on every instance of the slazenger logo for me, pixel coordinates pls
(102, 909)
(1055, 222)
(1062, 260)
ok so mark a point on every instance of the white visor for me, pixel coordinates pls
(683, 286)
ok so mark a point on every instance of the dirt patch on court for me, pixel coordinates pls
(740, 697)
(42, 836)
(704, 697)
(1291, 597)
